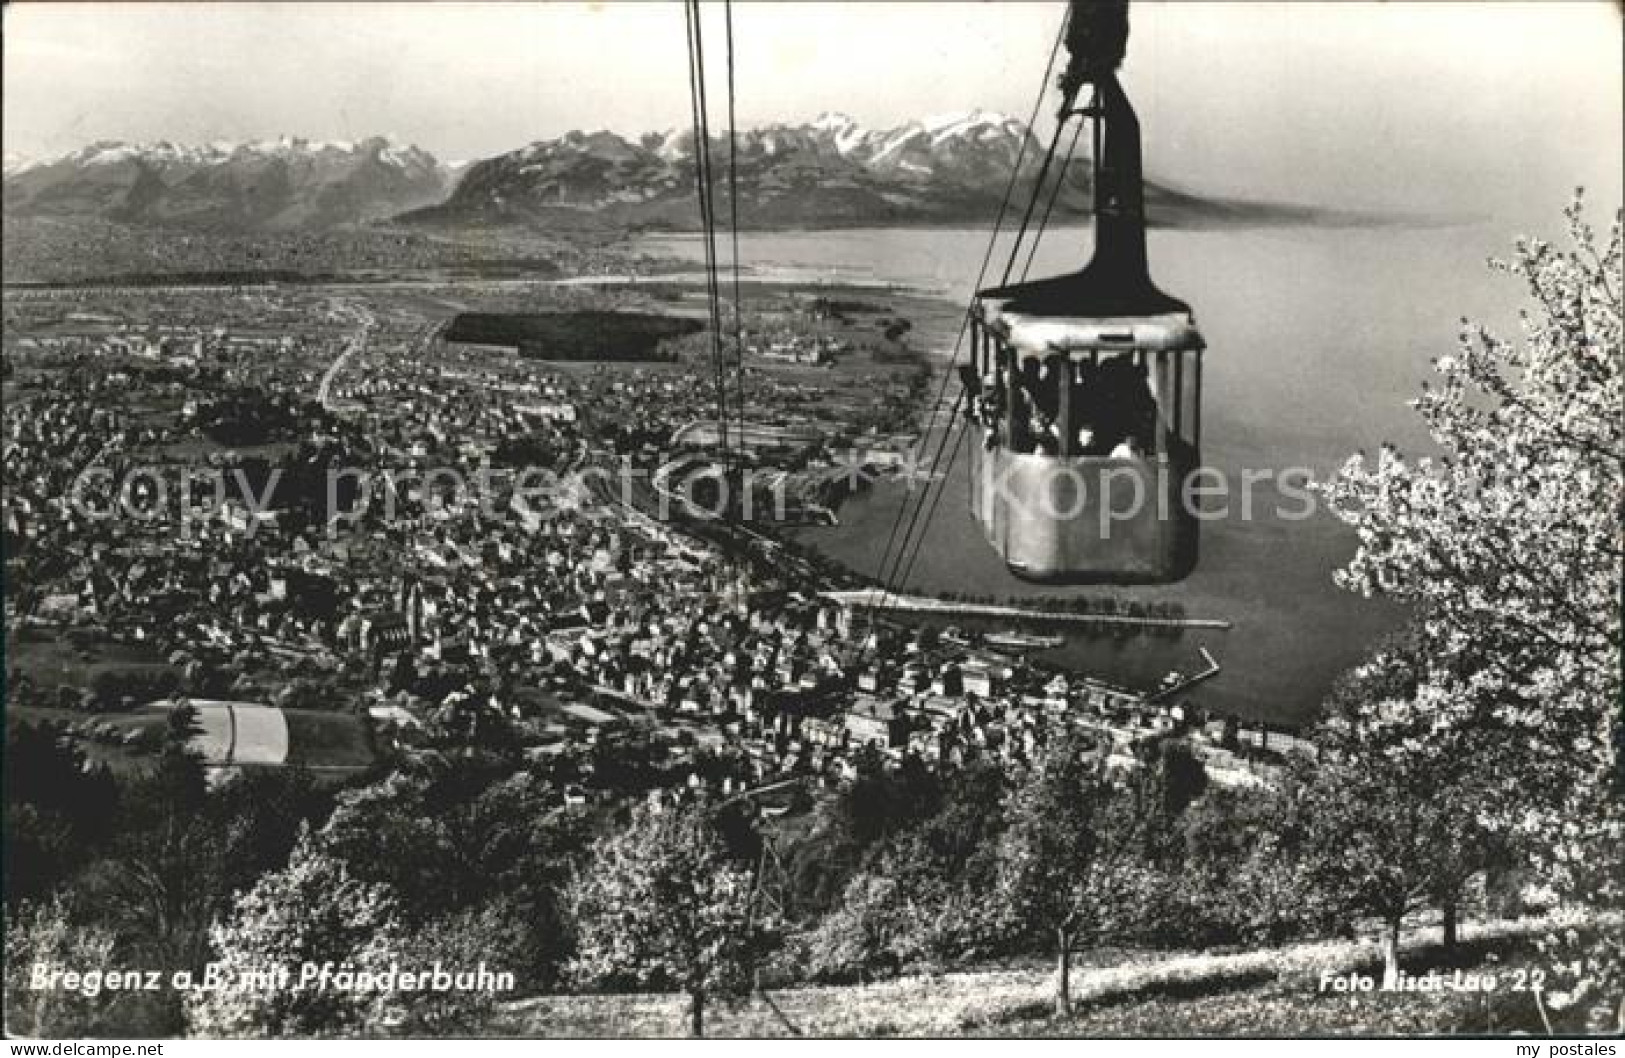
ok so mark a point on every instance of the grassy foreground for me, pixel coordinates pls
(1274, 992)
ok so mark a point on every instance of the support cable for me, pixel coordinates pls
(733, 227)
(953, 453)
(905, 566)
(981, 272)
(703, 180)
(887, 581)
(1055, 193)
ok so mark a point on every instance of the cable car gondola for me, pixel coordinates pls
(1087, 386)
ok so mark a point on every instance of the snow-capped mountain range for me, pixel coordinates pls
(829, 172)
(281, 184)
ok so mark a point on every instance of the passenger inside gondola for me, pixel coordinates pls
(987, 403)
(1110, 409)
(1113, 409)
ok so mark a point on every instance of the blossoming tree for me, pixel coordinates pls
(1508, 542)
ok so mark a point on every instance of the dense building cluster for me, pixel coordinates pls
(316, 502)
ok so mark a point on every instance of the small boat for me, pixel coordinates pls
(1023, 640)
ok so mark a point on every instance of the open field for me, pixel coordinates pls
(1273, 992)
(327, 740)
(196, 447)
(233, 734)
(51, 657)
(1277, 1008)
(572, 335)
(266, 735)
(241, 733)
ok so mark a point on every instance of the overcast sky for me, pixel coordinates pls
(1468, 106)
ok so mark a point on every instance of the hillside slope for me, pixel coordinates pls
(1273, 992)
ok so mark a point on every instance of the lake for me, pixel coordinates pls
(1316, 339)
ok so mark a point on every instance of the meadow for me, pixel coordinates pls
(1264, 993)
(572, 335)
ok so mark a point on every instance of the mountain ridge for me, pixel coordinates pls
(272, 185)
(830, 172)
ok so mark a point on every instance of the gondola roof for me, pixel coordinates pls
(1091, 291)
